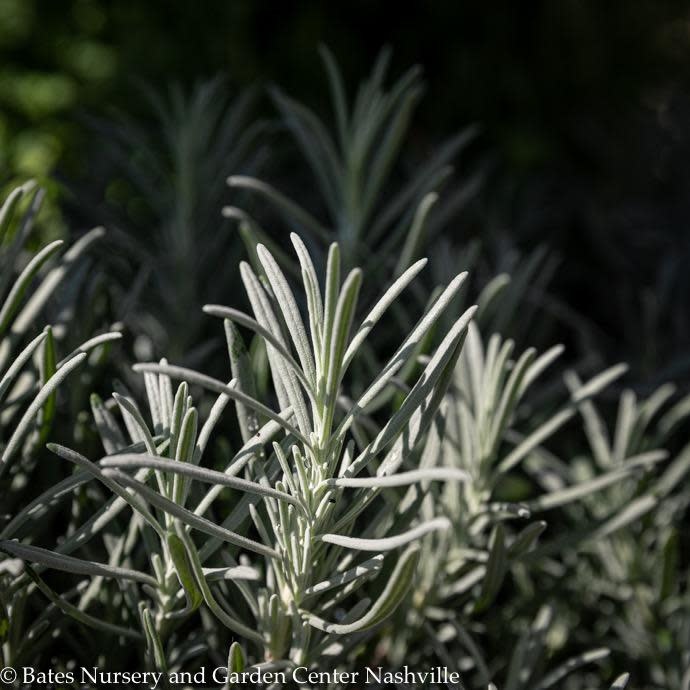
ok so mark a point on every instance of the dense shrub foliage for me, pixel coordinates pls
(385, 463)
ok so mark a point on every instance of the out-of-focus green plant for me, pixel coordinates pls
(627, 538)
(601, 506)
(486, 427)
(164, 187)
(527, 669)
(375, 218)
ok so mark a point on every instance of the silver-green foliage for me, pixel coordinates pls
(627, 534)
(488, 427)
(480, 431)
(28, 393)
(317, 477)
(287, 543)
(31, 372)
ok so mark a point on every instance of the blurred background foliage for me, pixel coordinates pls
(583, 108)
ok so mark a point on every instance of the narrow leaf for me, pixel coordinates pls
(395, 590)
(449, 474)
(178, 554)
(69, 564)
(23, 427)
(495, 570)
(388, 543)
(11, 304)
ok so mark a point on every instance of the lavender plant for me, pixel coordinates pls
(316, 548)
(616, 531)
(359, 507)
(478, 430)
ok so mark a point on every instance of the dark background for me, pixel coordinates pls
(583, 107)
